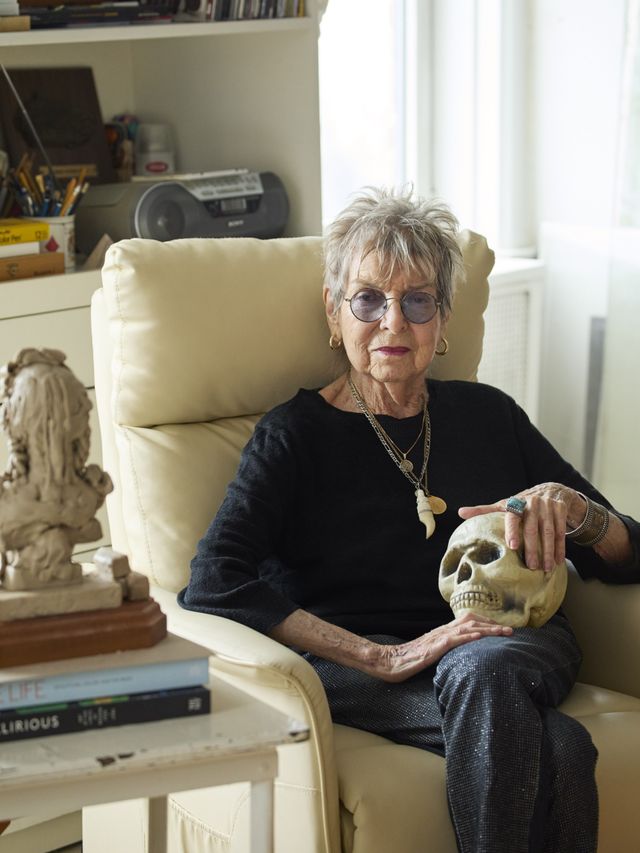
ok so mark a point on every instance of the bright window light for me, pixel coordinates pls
(361, 99)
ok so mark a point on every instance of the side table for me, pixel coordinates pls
(236, 742)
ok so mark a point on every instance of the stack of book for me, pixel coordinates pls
(10, 18)
(20, 250)
(237, 10)
(93, 13)
(164, 681)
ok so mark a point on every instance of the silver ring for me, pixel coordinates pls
(517, 506)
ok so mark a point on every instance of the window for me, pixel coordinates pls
(436, 93)
(362, 98)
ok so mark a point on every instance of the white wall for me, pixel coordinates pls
(617, 465)
(577, 50)
(577, 54)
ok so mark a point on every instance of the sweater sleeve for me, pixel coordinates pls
(226, 570)
(545, 464)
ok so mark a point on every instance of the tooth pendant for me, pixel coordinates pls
(425, 513)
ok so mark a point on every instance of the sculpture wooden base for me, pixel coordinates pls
(133, 625)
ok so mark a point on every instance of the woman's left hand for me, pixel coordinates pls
(543, 525)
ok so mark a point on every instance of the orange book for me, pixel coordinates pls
(29, 266)
(14, 23)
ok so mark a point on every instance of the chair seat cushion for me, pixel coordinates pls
(613, 719)
(588, 700)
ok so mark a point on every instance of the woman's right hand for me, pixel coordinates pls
(399, 662)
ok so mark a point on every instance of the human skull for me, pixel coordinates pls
(480, 574)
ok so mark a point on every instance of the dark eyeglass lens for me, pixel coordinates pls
(368, 305)
(419, 307)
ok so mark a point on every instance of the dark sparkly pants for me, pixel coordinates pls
(520, 774)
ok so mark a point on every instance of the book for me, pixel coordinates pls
(171, 663)
(10, 250)
(30, 266)
(103, 712)
(14, 23)
(92, 14)
(25, 230)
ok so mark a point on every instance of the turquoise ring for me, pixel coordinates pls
(517, 506)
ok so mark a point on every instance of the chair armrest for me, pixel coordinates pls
(263, 662)
(276, 675)
(606, 620)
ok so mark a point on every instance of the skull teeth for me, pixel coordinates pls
(488, 600)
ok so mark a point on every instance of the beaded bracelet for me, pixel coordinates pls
(594, 526)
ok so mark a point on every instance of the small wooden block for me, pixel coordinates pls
(137, 587)
(113, 562)
(133, 625)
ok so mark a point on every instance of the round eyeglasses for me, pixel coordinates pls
(370, 305)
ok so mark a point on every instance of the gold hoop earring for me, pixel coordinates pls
(334, 342)
(445, 345)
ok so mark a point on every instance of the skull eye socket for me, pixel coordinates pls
(451, 562)
(485, 553)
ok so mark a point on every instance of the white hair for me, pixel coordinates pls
(405, 234)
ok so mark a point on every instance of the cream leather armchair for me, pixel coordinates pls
(193, 340)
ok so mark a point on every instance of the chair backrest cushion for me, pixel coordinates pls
(204, 336)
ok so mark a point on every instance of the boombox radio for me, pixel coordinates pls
(234, 203)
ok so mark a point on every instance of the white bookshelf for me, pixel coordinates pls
(238, 94)
(144, 32)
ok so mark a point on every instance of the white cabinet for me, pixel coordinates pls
(53, 311)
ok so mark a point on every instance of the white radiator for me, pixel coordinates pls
(513, 319)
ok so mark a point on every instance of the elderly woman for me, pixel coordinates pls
(331, 535)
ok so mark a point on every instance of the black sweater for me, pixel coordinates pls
(320, 518)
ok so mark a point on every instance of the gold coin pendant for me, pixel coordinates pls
(438, 506)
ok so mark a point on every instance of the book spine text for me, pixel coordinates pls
(100, 714)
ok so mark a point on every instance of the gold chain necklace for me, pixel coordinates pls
(404, 464)
(427, 505)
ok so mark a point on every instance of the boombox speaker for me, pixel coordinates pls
(236, 203)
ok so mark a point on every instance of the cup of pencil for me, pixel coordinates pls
(49, 199)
